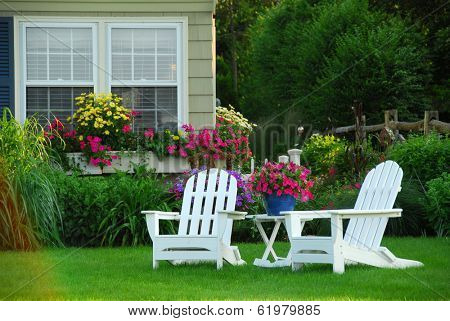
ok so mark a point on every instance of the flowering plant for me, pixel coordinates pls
(283, 179)
(233, 129)
(96, 152)
(102, 115)
(244, 197)
(60, 137)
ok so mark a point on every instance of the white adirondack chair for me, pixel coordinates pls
(368, 219)
(206, 221)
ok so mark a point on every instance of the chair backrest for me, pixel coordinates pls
(204, 195)
(379, 191)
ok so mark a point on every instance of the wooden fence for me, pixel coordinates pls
(429, 122)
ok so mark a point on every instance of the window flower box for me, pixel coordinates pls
(125, 162)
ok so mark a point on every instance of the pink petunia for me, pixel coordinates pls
(171, 149)
(126, 129)
(149, 133)
(183, 153)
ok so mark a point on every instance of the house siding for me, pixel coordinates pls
(201, 36)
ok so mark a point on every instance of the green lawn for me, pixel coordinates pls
(125, 274)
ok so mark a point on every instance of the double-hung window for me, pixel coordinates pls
(144, 68)
(59, 64)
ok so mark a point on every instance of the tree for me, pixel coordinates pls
(317, 58)
(233, 18)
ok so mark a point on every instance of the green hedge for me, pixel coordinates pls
(422, 157)
(438, 204)
(105, 211)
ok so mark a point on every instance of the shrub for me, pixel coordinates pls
(422, 157)
(107, 210)
(324, 155)
(438, 204)
(320, 58)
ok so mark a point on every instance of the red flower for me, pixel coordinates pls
(126, 129)
(149, 133)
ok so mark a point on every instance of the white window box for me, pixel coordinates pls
(127, 159)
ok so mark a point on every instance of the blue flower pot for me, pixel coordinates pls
(275, 204)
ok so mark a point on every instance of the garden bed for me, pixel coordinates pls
(127, 160)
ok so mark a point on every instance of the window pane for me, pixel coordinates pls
(157, 106)
(59, 54)
(144, 54)
(82, 58)
(49, 102)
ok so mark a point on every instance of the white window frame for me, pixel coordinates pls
(24, 83)
(181, 82)
(100, 53)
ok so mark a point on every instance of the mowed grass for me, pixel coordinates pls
(126, 274)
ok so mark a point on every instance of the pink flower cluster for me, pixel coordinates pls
(208, 143)
(283, 179)
(97, 152)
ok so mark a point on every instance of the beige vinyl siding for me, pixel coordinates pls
(201, 47)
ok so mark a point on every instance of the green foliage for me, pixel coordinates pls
(422, 157)
(233, 19)
(412, 222)
(29, 211)
(321, 153)
(106, 211)
(438, 204)
(335, 196)
(320, 58)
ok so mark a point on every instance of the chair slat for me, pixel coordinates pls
(186, 207)
(220, 199)
(231, 204)
(375, 243)
(198, 203)
(359, 201)
(209, 202)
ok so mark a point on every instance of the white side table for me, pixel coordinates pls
(277, 221)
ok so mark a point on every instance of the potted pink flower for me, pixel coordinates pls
(281, 184)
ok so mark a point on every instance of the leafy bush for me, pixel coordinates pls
(107, 210)
(422, 157)
(438, 204)
(324, 154)
(319, 58)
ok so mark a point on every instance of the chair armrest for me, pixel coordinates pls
(163, 215)
(346, 214)
(234, 215)
(308, 215)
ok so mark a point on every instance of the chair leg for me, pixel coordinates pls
(338, 263)
(155, 264)
(219, 263)
(296, 266)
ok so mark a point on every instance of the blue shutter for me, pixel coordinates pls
(6, 63)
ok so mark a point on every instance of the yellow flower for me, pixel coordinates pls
(106, 132)
(175, 137)
(80, 137)
(112, 104)
(69, 118)
(109, 113)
